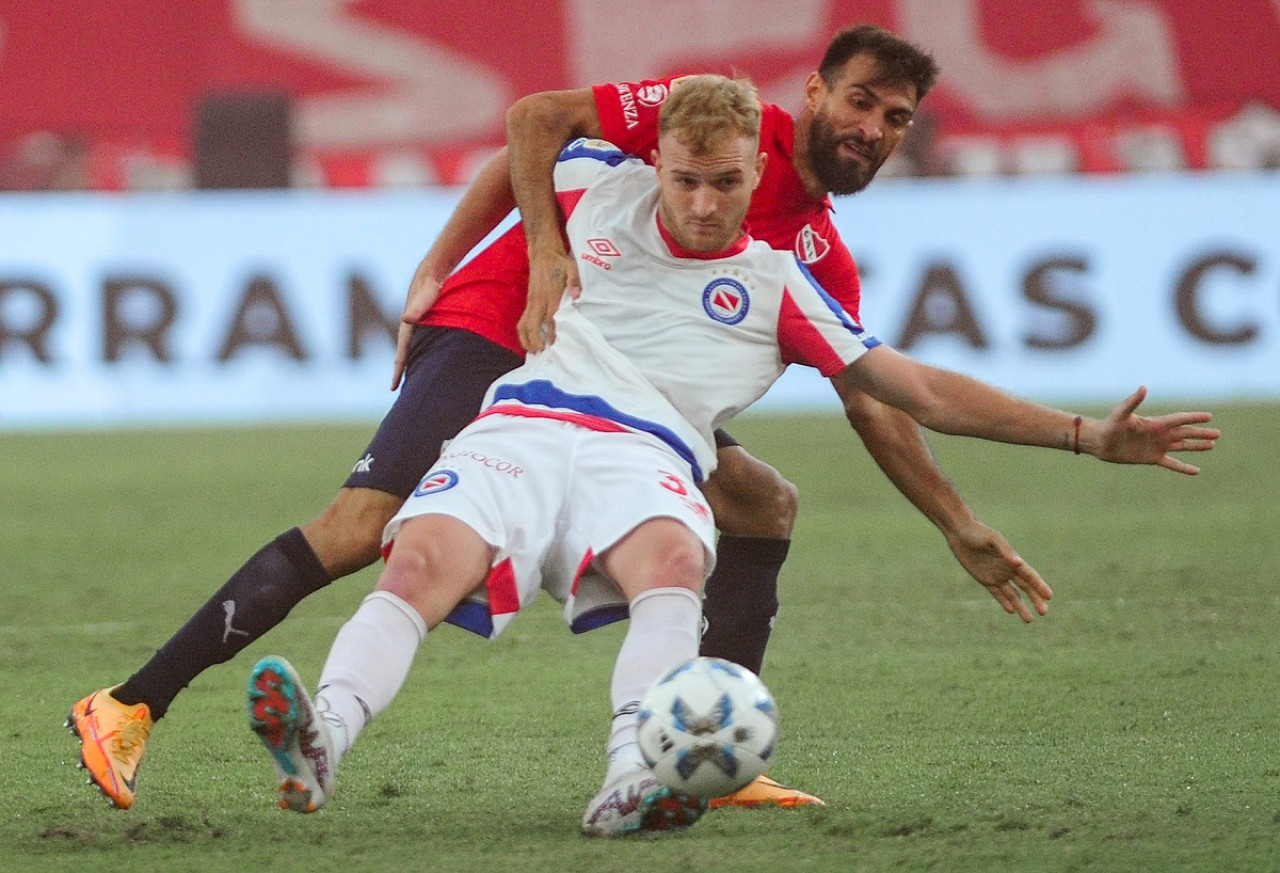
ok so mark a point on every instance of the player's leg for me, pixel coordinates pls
(443, 544)
(755, 509)
(637, 509)
(435, 562)
(659, 566)
(448, 372)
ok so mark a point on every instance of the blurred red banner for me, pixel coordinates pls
(388, 92)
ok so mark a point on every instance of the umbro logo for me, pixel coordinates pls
(604, 247)
(601, 248)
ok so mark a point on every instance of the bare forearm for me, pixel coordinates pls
(487, 200)
(951, 403)
(973, 408)
(538, 127)
(898, 446)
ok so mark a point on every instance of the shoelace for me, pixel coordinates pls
(129, 738)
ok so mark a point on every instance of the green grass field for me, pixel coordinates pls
(1132, 729)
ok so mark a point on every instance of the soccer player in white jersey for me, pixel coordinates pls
(580, 476)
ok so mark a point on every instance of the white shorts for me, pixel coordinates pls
(550, 496)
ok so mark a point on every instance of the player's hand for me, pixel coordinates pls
(423, 291)
(1127, 438)
(550, 275)
(989, 558)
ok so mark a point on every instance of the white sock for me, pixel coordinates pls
(662, 635)
(367, 664)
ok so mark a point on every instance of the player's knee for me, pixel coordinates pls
(347, 536)
(783, 505)
(684, 565)
(757, 501)
(408, 566)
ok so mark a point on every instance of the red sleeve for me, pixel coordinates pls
(629, 113)
(802, 342)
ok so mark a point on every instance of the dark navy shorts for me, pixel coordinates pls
(447, 374)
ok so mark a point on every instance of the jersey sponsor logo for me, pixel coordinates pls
(630, 116)
(595, 149)
(600, 248)
(229, 610)
(434, 483)
(652, 95)
(500, 465)
(726, 300)
(604, 247)
(810, 246)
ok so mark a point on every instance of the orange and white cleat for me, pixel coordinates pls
(764, 791)
(113, 737)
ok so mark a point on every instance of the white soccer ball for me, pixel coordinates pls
(708, 727)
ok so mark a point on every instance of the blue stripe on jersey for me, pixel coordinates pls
(834, 305)
(597, 149)
(541, 392)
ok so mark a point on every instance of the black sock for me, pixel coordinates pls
(252, 602)
(741, 599)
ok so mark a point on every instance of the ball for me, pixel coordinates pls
(708, 727)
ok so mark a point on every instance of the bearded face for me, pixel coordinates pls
(843, 162)
(856, 120)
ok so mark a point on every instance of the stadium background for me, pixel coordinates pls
(1090, 199)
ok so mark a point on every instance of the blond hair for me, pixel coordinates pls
(702, 111)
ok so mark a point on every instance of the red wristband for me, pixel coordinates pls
(1075, 442)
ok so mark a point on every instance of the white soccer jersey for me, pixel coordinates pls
(663, 341)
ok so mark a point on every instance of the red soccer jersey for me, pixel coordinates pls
(487, 295)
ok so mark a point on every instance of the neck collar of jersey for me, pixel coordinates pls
(737, 247)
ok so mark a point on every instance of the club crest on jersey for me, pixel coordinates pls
(726, 301)
(810, 246)
(652, 95)
(434, 483)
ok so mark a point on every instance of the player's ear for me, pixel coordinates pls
(814, 87)
(761, 160)
(655, 158)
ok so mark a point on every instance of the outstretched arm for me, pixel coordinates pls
(538, 127)
(949, 402)
(487, 200)
(898, 446)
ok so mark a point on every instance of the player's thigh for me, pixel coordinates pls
(657, 553)
(620, 487)
(436, 562)
(448, 372)
(749, 497)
